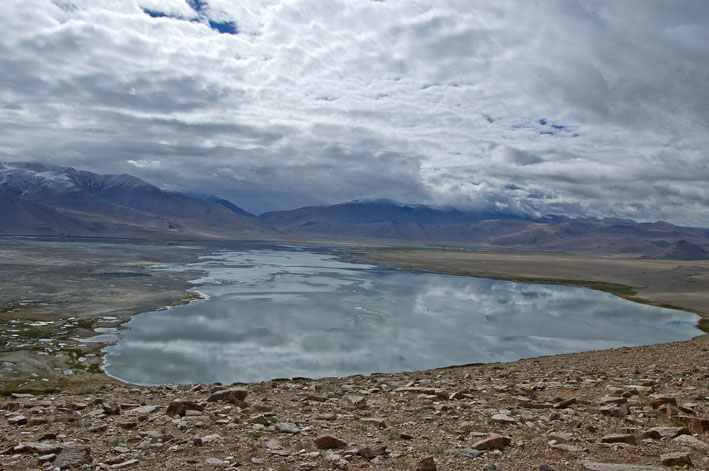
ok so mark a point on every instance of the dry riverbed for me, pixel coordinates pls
(645, 406)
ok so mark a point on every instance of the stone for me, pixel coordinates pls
(142, 410)
(668, 432)
(593, 466)
(659, 400)
(333, 461)
(617, 438)
(17, 420)
(545, 467)
(620, 411)
(678, 458)
(274, 444)
(37, 448)
(614, 400)
(111, 408)
(214, 462)
(694, 424)
(425, 464)
(124, 464)
(47, 458)
(287, 427)
(691, 442)
(371, 453)
(231, 395)
(180, 407)
(490, 467)
(495, 442)
(503, 419)
(260, 419)
(564, 404)
(213, 438)
(73, 456)
(327, 442)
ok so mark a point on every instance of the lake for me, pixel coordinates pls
(292, 312)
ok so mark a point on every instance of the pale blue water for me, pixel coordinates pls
(286, 313)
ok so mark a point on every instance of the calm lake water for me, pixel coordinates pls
(285, 313)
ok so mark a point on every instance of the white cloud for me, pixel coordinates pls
(596, 108)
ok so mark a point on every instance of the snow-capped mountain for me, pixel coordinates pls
(49, 200)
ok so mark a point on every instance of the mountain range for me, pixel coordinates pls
(38, 199)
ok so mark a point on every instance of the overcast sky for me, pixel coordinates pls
(583, 108)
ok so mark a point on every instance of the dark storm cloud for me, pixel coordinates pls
(567, 106)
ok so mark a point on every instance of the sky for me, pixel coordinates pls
(570, 107)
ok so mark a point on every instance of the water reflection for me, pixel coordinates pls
(275, 313)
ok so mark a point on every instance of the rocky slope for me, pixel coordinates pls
(642, 409)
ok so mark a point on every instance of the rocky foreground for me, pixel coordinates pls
(638, 409)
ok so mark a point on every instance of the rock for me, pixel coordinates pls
(17, 420)
(614, 400)
(371, 453)
(694, 424)
(659, 400)
(37, 448)
(678, 458)
(333, 461)
(73, 456)
(495, 442)
(214, 462)
(129, 425)
(406, 436)
(561, 437)
(620, 411)
(274, 444)
(232, 395)
(142, 410)
(545, 467)
(440, 393)
(357, 402)
(111, 408)
(650, 434)
(327, 442)
(668, 432)
(617, 438)
(691, 442)
(425, 464)
(260, 419)
(490, 467)
(535, 405)
(503, 419)
(593, 466)
(180, 407)
(47, 458)
(213, 438)
(286, 427)
(564, 404)
(124, 464)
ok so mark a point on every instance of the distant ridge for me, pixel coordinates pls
(38, 199)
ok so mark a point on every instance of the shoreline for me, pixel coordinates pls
(372, 256)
